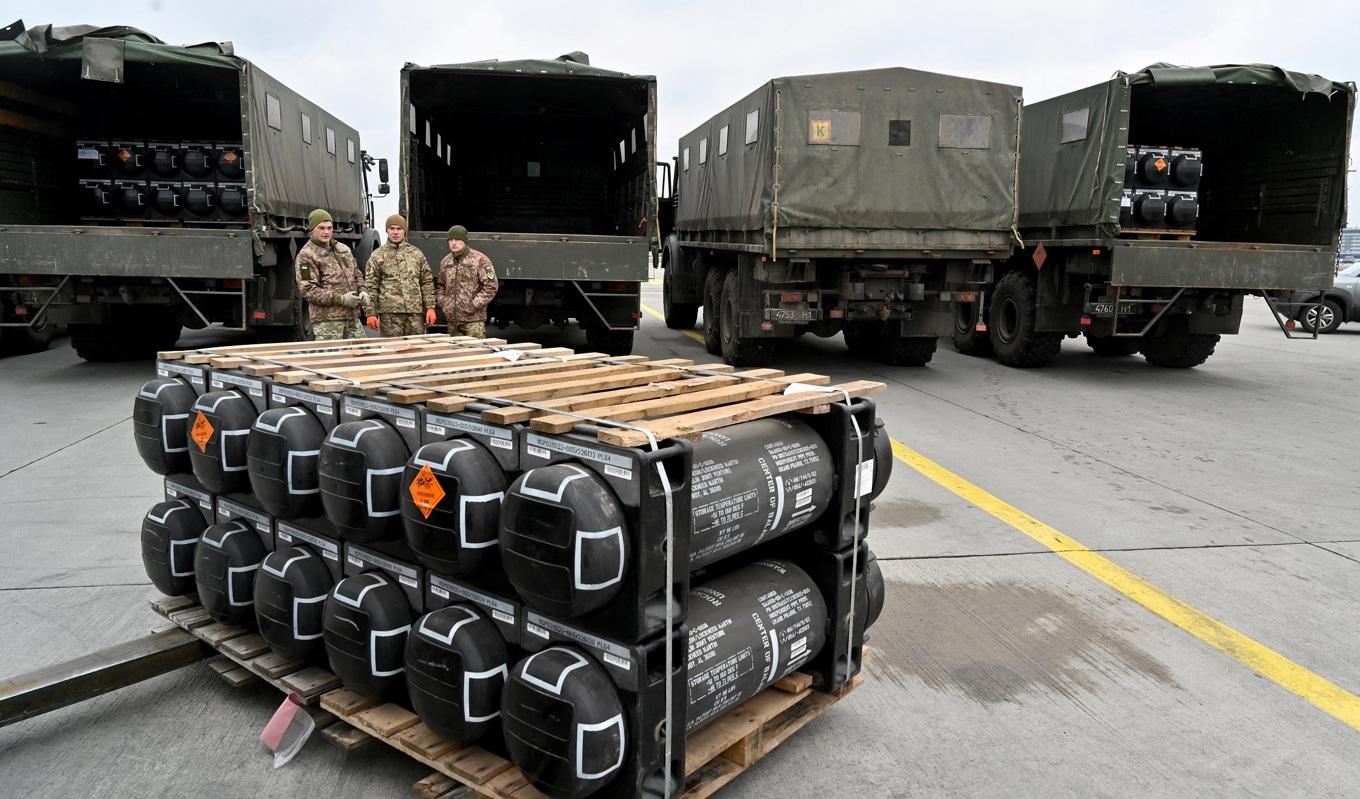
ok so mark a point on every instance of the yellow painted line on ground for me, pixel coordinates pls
(1326, 695)
(694, 334)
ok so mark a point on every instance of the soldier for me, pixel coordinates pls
(329, 280)
(466, 285)
(400, 285)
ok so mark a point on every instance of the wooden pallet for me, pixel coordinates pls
(632, 399)
(714, 756)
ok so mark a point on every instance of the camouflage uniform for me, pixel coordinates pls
(324, 273)
(465, 286)
(400, 288)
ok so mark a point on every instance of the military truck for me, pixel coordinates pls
(1125, 247)
(549, 165)
(145, 187)
(859, 203)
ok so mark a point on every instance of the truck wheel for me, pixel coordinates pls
(713, 285)
(611, 342)
(860, 338)
(1113, 347)
(679, 315)
(1014, 339)
(102, 343)
(29, 339)
(1325, 318)
(1177, 347)
(968, 340)
(908, 350)
(737, 350)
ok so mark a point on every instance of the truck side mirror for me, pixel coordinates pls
(384, 189)
(382, 174)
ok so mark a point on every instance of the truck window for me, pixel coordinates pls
(899, 133)
(306, 128)
(633, 140)
(273, 112)
(623, 151)
(330, 141)
(684, 159)
(448, 155)
(438, 144)
(413, 118)
(829, 126)
(722, 140)
(533, 169)
(350, 143)
(429, 135)
(752, 125)
(1074, 125)
(703, 150)
(965, 131)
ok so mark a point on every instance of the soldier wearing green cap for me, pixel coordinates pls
(400, 285)
(329, 280)
(465, 286)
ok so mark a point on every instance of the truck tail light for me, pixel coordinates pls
(1086, 321)
(1158, 308)
(231, 283)
(965, 296)
(637, 315)
(616, 285)
(980, 327)
(260, 315)
(21, 310)
(837, 313)
(1290, 324)
(791, 296)
(767, 326)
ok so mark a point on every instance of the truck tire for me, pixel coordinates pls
(860, 338)
(908, 350)
(968, 340)
(1113, 347)
(611, 342)
(1015, 342)
(103, 343)
(679, 315)
(1177, 347)
(28, 339)
(737, 350)
(713, 286)
(1326, 318)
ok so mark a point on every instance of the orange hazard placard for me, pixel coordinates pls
(1160, 163)
(202, 431)
(426, 491)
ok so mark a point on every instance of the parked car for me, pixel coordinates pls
(1340, 303)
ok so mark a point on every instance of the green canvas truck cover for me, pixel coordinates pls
(1268, 120)
(878, 150)
(286, 177)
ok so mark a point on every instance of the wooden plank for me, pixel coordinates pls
(739, 723)
(287, 347)
(345, 737)
(222, 664)
(473, 764)
(796, 682)
(386, 720)
(710, 777)
(246, 647)
(513, 783)
(778, 729)
(310, 681)
(239, 677)
(391, 355)
(216, 633)
(580, 374)
(726, 395)
(191, 618)
(436, 786)
(165, 605)
(344, 702)
(714, 418)
(274, 665)
(421, 741)
(428, 375)
(395, 372)
(656, 389)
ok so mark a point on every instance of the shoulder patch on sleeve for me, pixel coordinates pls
(305, 270)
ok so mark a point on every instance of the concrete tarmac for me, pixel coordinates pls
(998, 667)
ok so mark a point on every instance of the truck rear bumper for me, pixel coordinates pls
(1218, 265)
(125, 251)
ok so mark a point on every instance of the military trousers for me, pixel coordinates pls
(473, 329)
(332, 329)
(401, 324)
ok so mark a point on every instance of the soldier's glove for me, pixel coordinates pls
(373, 322)
(429, 316)
(363, 297)
(350, 299)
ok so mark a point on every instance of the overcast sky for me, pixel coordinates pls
(345, 56)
